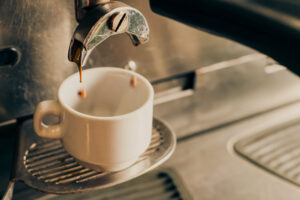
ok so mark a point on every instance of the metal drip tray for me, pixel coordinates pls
(162, 184)
(44, 164)
(276, 150)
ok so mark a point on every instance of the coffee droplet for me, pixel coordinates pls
(133, 81)
(82, 93)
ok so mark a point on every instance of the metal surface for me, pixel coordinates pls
(9, 191)
(81, 6)
(102, 21)
(277, 34)
(162, 184)
(41, 32)
(44, 164)
(276, 150)
(230, 94)
(211, 169)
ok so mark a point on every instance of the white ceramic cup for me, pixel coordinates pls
(111, 127)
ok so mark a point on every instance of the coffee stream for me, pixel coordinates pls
(82, 92)
(80, 73)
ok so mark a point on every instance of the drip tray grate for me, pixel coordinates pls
(164, 184)
(46, 166)
(49, 162)
(276, 150)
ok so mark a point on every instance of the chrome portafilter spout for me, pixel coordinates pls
(100, 19)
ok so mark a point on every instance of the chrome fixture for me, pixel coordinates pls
(100, 19)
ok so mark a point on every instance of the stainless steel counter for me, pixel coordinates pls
(211, 169)
(227, 105)
(230, 95)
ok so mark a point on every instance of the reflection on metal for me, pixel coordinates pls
(9, 192)
(230, 63)
(44, 164)
(274, 68)
(131, 65)
(171, 94)
(5, 123)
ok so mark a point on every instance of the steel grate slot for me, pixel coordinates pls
(61, 172)
(45, 150)
(164, 184)
(47, 144)
(45, 161)
(50, 165)
(48, 161)
(91, 177)
(79, 175)
(44, 155)
(54, 169)
(276, 150)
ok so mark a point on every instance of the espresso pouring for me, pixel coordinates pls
(82, 92)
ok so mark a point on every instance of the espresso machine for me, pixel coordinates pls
(218, 95)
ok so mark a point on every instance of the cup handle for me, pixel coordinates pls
(48, 107)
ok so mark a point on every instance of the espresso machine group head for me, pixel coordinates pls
(100, 19)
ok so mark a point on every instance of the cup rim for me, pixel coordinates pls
(117, 117)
